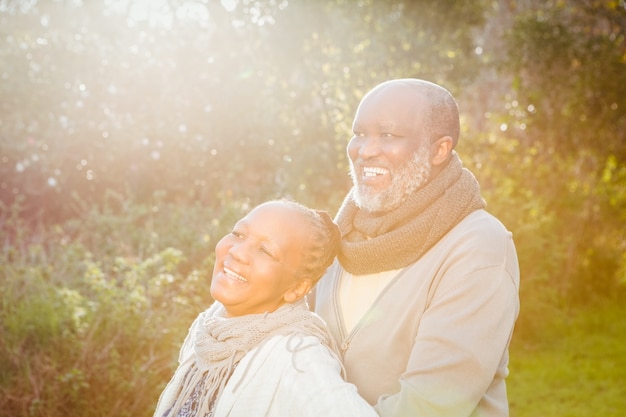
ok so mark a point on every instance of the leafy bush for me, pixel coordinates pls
(92, 314)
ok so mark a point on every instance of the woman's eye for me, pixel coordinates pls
(387, 135)
(267, 252)
(237, 233)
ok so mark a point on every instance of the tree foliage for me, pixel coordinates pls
(201, 102)
(568, 61)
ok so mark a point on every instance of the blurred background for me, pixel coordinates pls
(133, 133)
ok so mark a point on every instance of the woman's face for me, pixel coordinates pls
(256, 264)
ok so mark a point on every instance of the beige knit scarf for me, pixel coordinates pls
(376, 242)
(219, 343)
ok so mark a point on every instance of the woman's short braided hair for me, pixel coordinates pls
(323, 244)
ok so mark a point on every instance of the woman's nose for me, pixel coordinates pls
(239, 252)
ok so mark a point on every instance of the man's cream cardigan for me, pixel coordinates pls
(434, 342)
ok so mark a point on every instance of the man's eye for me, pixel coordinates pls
(387, 135)
(237, 233)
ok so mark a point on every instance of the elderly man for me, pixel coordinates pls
(424, 295)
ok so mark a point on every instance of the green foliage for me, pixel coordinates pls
(573, 367)
(567, 118)
(93, 313)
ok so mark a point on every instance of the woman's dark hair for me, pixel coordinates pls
(323, 244)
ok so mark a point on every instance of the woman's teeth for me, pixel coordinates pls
(232, 274)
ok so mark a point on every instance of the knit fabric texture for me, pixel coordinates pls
(220, 342)
(382, 241)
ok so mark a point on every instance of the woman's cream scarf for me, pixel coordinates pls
(376, 242)
(216, 344)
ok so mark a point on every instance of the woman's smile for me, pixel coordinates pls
(233, 275)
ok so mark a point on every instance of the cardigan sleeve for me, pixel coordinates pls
(291, 377)
(313, 382)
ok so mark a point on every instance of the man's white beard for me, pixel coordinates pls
(408, 178)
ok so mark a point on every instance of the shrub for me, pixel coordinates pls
(93, 311)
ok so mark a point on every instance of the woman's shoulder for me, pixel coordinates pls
(292, 343)
(293, 350)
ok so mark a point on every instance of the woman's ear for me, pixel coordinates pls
(441, 150)
(298, 290)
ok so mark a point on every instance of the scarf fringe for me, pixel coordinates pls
(216, 344)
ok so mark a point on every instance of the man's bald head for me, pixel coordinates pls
(441, 116)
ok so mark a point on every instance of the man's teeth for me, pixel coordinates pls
(373, 171)
(233, 274)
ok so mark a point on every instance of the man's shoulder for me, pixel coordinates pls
(478, 230)
(478, 241)
(481, 222)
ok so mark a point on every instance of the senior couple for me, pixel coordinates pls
(414, 287)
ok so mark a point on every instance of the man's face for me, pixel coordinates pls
(389, 152)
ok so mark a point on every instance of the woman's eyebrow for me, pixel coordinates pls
(274, 248)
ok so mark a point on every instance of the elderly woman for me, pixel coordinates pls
(258, 350)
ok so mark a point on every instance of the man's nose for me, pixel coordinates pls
(369, 147)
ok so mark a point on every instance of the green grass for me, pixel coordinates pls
(575, 366)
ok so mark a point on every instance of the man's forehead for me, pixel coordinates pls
(387, 107)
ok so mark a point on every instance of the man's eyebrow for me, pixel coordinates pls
(241, 223)
(386, 126)
(380, 126)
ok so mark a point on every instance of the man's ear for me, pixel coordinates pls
(441, 150)
(298, 290)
